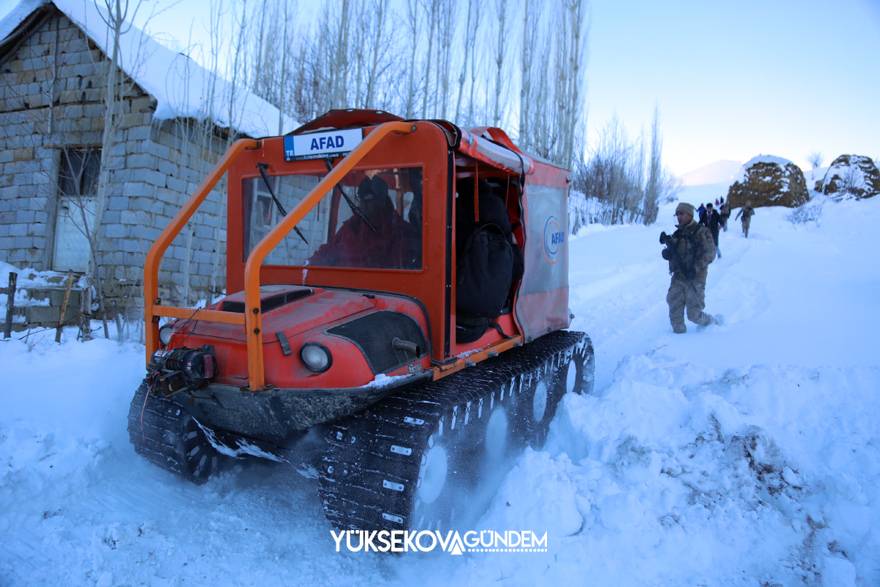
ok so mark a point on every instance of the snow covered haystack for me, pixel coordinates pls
(851, 176)
(769, 181)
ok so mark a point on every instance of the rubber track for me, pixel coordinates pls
(158, 431)
(370, 470)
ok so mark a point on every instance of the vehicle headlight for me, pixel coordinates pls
(316, 357)
(165, 333)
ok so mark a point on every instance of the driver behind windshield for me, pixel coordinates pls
(381, 238)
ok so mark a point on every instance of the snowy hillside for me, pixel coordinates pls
(744, 454)
(724, 171)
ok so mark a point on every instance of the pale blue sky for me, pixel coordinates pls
(734, 79)
(731, 79)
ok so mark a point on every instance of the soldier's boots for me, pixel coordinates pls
(710, 320)
(703, 319)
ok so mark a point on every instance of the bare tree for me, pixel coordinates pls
(528, 41)
(500, 51)
(543, 135)
(432, 12)
(414, 24)
(474, 66)
(552, 109)
(655, 172)
(357, 84)
(286, 49)
(118, 16)
(611, 175)
(617, 177)
(235, 73)
(445, 34)
(339, 69)
(370, 55)
(470, 39)
(815, 160)
(379, 51)
(570, 73)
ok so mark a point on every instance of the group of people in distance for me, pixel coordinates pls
(715, 218)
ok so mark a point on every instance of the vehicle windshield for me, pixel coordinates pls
(372, 219)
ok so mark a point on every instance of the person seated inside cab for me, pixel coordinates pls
(374, 236)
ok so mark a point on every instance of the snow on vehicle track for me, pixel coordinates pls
(742, 454)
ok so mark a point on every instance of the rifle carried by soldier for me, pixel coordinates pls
(679, 253)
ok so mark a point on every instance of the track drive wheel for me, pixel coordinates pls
(169, 437)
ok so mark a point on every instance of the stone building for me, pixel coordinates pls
(53, 82)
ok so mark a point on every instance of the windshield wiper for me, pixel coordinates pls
(354, 207)
(263, 167)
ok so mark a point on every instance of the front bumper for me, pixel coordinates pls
(275, 415)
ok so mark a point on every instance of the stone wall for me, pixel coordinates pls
(51, 97)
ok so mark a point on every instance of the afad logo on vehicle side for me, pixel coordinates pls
(554, 238)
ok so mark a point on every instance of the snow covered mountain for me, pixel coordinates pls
(743, 454)
(723, 171)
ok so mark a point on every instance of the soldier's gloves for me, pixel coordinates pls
(663, 238)
(666, 254)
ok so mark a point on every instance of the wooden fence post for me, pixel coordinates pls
(64, 303)
(10, 303)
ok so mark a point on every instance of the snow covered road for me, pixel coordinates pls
(742, 454)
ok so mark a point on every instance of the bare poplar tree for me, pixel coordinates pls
(118, 16)
(469, 40)
(432, 9)
(414, 24)
(340, 67)
(287, 11)
(654, 182)
(500, 51)
(379, 51)
(262, 53)
(527, 51)
(357, 84)
(572, 52)
(542, 138)
(446, 32)
(474, 65)
(236, 71)
(230, 102)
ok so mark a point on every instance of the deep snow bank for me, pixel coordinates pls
(741, 454)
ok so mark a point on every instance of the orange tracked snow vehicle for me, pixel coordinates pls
(401, 285)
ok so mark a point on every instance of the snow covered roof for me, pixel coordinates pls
(181, 87)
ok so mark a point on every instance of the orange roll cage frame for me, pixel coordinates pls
(252, 320)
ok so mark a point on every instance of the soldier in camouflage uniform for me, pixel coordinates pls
(746, 212)
(689, 251)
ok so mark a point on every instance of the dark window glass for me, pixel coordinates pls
(78, 174)
(372, 219)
